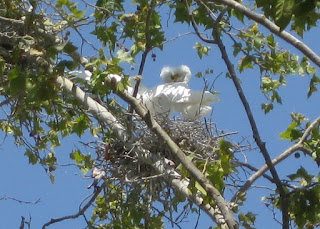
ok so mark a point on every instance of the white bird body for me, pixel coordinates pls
(166, 99)
(172, 96)
(86, 75)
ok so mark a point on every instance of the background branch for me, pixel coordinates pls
(261, 19)
(256, 135)
(80, 212)
(296, 147)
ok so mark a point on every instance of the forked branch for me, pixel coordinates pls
(299, 146)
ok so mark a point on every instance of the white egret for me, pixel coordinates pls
(175, 96)
(172, 96)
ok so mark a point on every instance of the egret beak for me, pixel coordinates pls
(175, 77)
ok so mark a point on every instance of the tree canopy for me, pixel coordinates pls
(151, 173)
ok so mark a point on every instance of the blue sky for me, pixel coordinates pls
(25, 182)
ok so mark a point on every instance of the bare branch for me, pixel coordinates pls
(20, 201)
(261, 19)
(80, 212)
(95, 108)
(297, 147)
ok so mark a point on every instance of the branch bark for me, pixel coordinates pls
(261, 19)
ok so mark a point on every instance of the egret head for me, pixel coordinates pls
(181, 73)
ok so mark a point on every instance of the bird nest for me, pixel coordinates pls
(125, 169)
(198, 140)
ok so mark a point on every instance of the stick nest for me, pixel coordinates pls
(199, 140)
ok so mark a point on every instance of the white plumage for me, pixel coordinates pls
(86, 75)
(172, 96)
(181, 73)
(175, 96)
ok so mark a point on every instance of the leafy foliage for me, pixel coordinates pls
(37, 47)
(302, 14)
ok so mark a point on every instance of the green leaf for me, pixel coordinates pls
(77, 156)
(17, 84)
(247, 220)
(81, 124)
(291, 133)
(14, 73)
(302, 173)
(313, 85)
(124, 56)
(52, 178)
(284, 13)
(33, 158)
(202, 50)
(238, 15)
(267, 107)
(237, 48)
(245, 63)
(200, 188)
(181, 12)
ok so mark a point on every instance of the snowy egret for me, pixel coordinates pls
(175, 96)
(172, 96)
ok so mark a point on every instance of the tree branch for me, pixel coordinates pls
(296, 147)
(93, 107)
(261, 19)
(80, 212)
(256, 135)
(195, 27)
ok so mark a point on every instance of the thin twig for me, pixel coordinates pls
(80, 212)
(195, 27)
(145, 53)
(20, 201)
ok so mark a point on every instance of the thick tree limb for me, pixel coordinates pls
(93, 107)
(261, 19)
(296, 147)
